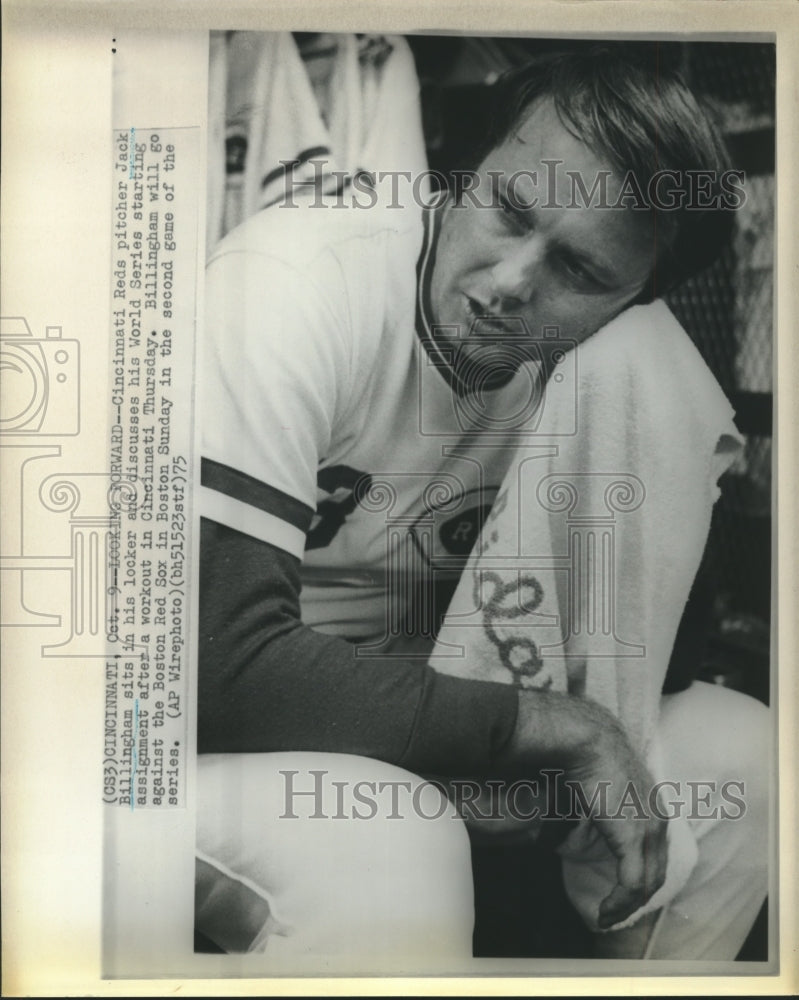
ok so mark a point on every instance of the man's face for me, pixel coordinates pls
(571, 268)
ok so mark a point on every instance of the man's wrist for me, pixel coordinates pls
(553, 729)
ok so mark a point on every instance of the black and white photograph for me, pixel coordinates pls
(397, 432)
(484, 612)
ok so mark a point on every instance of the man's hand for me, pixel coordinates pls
(585, 741)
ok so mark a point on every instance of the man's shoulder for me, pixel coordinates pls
(333, 277)
(303, 233)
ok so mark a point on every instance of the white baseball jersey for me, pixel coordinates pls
(331, 429)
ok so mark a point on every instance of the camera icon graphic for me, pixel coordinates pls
(40, 381)
(505, 380)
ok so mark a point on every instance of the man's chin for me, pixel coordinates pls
(486, 367)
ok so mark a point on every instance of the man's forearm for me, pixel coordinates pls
(269, 683)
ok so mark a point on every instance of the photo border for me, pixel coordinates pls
(71, 723)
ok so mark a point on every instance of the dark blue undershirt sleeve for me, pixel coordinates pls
(269, 683)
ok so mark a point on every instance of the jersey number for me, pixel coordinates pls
(331, 514)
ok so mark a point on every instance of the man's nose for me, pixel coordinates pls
(516, 275)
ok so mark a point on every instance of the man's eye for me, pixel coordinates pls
(579, 274)
(576, 269)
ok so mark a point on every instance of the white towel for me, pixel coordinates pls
(582, 571)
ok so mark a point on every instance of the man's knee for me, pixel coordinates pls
(718, 747)
(341, 846)
(712, 728)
